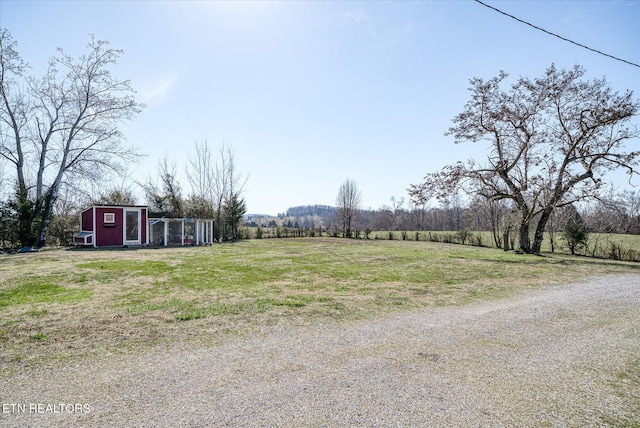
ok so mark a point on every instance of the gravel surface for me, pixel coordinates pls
(549, 357)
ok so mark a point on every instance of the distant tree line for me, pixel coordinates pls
(619, 213)
(455, 220)
(310, 211)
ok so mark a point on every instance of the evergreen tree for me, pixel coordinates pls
(576, 234)
(234, 210)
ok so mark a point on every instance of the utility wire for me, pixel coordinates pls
(555, 35)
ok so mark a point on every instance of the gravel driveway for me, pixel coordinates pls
(558, 356)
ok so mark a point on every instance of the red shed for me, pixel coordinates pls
(113, 226)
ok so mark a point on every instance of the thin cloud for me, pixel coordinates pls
(157, 90)
(358, 16)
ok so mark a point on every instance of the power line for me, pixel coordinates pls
(555, 35)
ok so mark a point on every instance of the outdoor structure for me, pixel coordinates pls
(123, 226)
(180, 231)
(113, 226)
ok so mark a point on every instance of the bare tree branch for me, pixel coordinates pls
(66, 126)
(552, 140)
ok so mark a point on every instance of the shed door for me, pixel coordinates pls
(132, 227)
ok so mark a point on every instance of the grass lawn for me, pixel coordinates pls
(60, 304)
(599, 244)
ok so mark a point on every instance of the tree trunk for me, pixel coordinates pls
(539, 235)
(45, 201)
(505, 237)
(46, 212)
(525, 244)
(218, 223)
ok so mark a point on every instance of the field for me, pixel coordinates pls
(600, 245)
(64, 304)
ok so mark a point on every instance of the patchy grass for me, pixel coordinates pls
(60, 304)
(627, 387)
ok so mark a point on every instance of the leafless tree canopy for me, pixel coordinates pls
(216, 188)
(348, 203)
(227, 185)
(200, 173)
(62, 128)
(166, 197)
(551, 139)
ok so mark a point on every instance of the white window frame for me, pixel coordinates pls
(109, 218)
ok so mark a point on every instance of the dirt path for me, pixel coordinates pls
(559, 356)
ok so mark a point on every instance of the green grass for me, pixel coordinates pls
(599, 245)
(40, 290)
(146, 267)
(65, 303)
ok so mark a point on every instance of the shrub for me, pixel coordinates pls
(615, 251)
(576, 235)
(463, 236)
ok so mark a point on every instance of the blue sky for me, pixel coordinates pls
(310, 93)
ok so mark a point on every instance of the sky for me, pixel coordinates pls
(310, 93)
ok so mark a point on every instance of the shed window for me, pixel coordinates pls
(109, 218)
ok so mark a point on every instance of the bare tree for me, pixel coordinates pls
(348, 203)
(417, 214)
(630, 200)
(167, 196)
(551, 141)
(65, 220)
(452, 206)
(200, 174)
(14, 109)
(390, 217)
(382, 218)
(396, 212)
(227, 184)
(63, 127)
(115, 196)
(419, 197)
